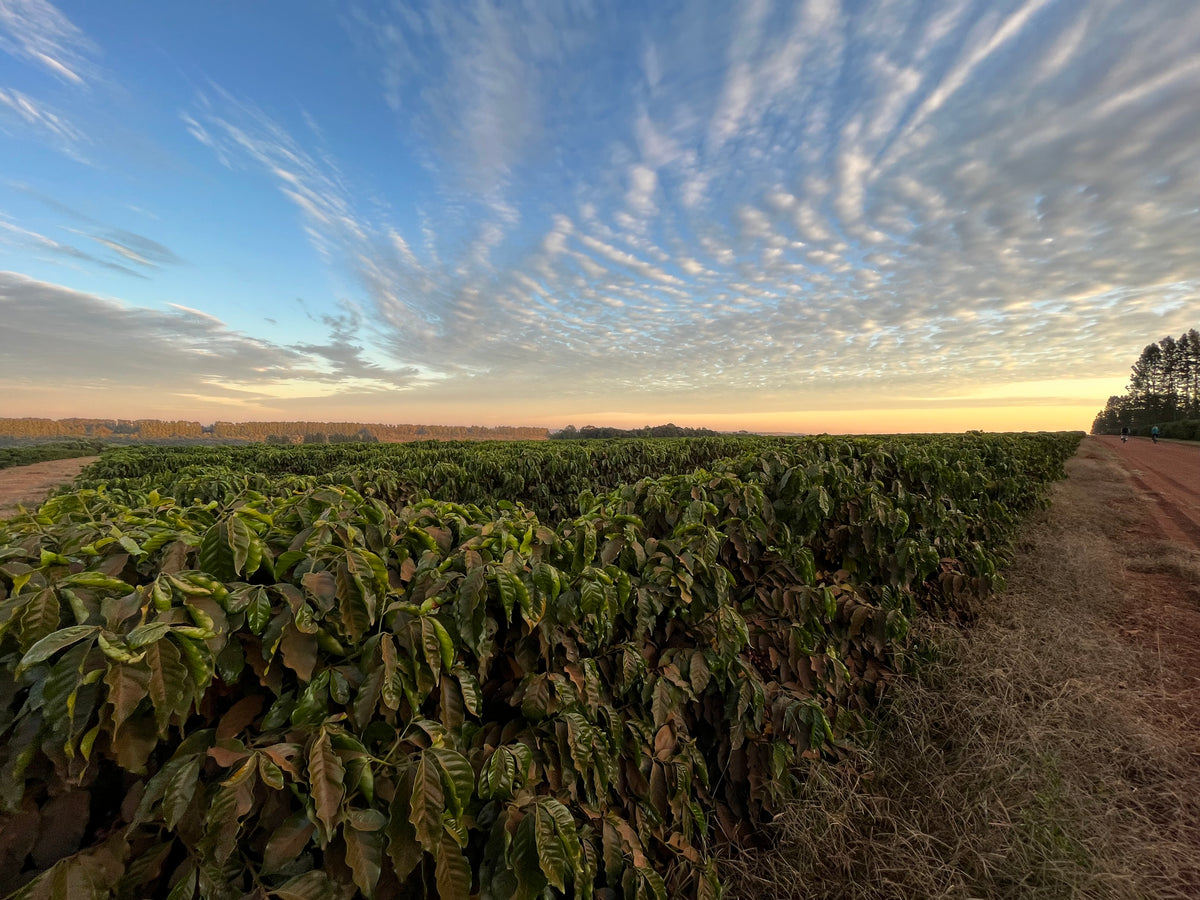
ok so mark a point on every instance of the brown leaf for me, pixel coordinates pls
(128, 685)
(629, 838)
(174, 558)
(17, 836)
(452, 872)
(321, 585)
(658, 788)
(664, 741)
(299, 651)
(239, 716)
(314, 885)
(403, 847)
(113, 565)
(287, 842)
(326, 775)
(63, 822)
(228, 753)
(364, 855)
(408, 569)
(138, 739)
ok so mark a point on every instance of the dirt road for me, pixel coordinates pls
(29, 485)
(1160, 550)
(1169, 472)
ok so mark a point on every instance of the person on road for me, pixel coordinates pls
(1124, 433)
(1154, 434)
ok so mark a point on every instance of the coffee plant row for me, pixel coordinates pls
(248, 677)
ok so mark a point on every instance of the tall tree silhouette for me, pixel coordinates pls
(1164, 386)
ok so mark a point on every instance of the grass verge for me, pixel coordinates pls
(1044, 753)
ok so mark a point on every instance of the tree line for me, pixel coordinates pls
(1164, 388)
(669, 430)
(31, 428)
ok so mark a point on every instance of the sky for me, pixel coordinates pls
(801, 216)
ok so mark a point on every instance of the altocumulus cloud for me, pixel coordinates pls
(699, 205)
(779, 197)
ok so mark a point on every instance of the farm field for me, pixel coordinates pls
(444, 670)
(1051, 750)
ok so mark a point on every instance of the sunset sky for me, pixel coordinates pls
(902, 215)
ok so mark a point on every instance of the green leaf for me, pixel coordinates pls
(431, 644)
(146, 634)
(198, 659)
(498, 776)
(524, 860)
(116, 650)
(471, 694)
(228, 549)
(508, 593)
(53, 643)
(180, 790)
(568, 832)
(170, 688)
(40, 617)
(314, 702)
(552, 855)
(88, 741)
(444, 644)
(258, 611)
(458, 778)
(270, 773)
(591, 597)
(185, 887)
(96, 581)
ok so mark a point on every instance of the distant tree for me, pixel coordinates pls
(593, 432)
(1164, 386)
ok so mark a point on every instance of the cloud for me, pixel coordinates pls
(129, 253)
(36, 116)
(473, 84)
(36, 31)
(643, 183)
(772, 201)
(80, 342)
(988, 38)
(10, 233)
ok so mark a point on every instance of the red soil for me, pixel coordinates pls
(1164, 602)
(29, 485)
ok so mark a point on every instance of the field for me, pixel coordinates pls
(442, 670)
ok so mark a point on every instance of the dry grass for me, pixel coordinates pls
(1029, 757)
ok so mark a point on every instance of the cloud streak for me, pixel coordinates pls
(36, 31)
(182, 352)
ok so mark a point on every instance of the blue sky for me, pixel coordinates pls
(802, 216)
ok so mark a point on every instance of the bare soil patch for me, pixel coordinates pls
(1161, 550)
(30, 485)
(1169, 474)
